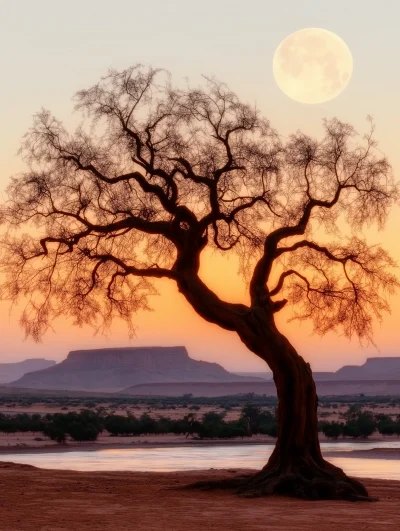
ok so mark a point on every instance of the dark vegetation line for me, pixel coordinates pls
(186, 400)
(87, 424)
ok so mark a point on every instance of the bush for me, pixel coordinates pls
(388, 427)
(163, 425)
(188, 425)
(121, 425)
(332, 430)
(147, 424)
(55, 432)
(268, 428)
(21, 422)
(81, 431)
(232, 429)
(211, 425)
(360, 424)
(258, 421)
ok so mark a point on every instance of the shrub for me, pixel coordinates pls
(211, 425)
(388, 427)
(81, 431)
(361, 424)
(55, 432)
(121, 425)
(332, 430)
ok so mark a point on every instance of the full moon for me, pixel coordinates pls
(312, 65)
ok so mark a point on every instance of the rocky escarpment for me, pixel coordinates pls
(373, 369)
(12, 371)
(115, 369)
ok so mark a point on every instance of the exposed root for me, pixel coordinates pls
(297, 485)
(327, 486)
(227, 483)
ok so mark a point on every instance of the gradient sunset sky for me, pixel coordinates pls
(49, 50)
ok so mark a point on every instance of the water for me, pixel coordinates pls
(202, 457)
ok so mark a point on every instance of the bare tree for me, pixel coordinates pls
(155, 175)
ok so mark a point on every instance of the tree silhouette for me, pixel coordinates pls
(154, 176)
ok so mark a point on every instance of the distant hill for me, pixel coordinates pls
(334, 388)
(373, 369)
(214, 389)
(114, 369)
(323, 376)
(263, 375)
(387, 368)
(318, 376)
(16, 392)
(13, 371)
(147, 369)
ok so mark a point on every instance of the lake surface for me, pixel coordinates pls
(201, 457)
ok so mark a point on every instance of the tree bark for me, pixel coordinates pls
(296, 466)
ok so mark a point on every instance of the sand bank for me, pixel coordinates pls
(37, 442)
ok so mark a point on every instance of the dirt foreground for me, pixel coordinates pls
(33, 499)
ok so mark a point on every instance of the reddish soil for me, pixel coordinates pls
(33, 499)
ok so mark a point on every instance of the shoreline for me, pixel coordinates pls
(95, 447)
(369, 453)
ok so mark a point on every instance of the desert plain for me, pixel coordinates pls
(34, 499)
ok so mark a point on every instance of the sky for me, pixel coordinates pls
(49, 50)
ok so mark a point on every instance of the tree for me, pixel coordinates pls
(359, 423)
(387, 426)
(147, 424)
(211, 425)
(121, 425)
(83, 431)
(332, 430)
(258, 421)
(251, 415)
(55, 431)
(153, 177)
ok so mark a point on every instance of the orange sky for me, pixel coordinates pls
(54, 56)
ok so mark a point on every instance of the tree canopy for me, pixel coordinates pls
(155, 174)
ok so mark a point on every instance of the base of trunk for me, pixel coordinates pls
(296, 485)
(311, 482)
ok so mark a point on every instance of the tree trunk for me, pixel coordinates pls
(296, 466)
(297, 414)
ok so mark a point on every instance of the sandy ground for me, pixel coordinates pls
(33, 499)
